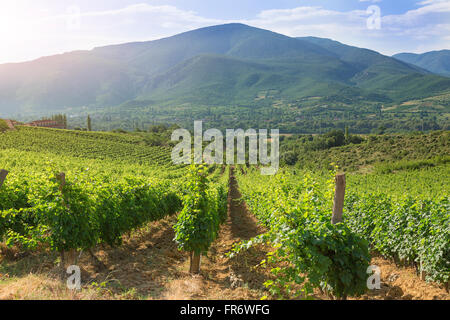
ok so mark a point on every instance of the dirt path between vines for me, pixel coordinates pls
(158, 270)
(222, 277)
(149, 266)
(150, 262)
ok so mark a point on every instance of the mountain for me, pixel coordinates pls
(68, 80)
(397, 79)
(437, 62)
(363, 58)
(219, 65)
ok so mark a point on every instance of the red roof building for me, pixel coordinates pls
(46, 124)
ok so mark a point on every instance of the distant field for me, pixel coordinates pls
(376, 151)
(87, 145)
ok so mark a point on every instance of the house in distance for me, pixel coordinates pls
(46, 124)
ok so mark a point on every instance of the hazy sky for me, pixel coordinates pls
(33, 28)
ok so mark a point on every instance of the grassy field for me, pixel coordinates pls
(383, 153)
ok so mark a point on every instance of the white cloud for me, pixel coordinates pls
(416, 16)
(415, 30)
(426, 2)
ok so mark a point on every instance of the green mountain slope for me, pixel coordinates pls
(360, 57)
(68, 80)
(435, 61)
(218, 79)
(379, 73)
(219, 65)
(234, 40)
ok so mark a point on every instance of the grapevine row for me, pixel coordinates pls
(204, 210)
(80, 214)
(410, 231)
(310, 252)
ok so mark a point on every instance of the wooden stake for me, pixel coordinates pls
(195, 263)
(62, 179)
(3, 174)
(98, 263)
(338, 205)
(62, 265)
(62, 182)
(422, 272)
(339, 196)
(77, 257)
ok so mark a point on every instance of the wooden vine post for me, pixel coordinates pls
(61, 177)
(195, 263)
(338, 204)
(339, 195)
(62, 180)
(3, 174)
(195, 258)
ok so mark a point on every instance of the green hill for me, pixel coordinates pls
(214, 79)
(67, 80)
(383, 153)
(379, 73)
(219, 65)
(118, 147)
(435, 61)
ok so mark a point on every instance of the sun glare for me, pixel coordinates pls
(19, 24)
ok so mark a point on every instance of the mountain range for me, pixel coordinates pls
(220, 65)
(435, 61)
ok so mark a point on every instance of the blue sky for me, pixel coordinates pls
(30, 29)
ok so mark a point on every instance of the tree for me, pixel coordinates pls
(290, 158)
(381, 129)
(89, 124)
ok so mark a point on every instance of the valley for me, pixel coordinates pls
(229, 74)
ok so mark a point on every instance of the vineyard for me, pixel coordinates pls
(228, 231)
(98, 145)
(412, 229)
